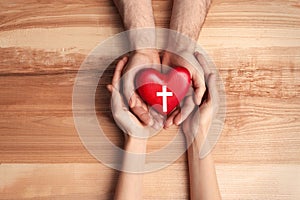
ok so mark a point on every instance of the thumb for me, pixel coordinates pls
(109, 88)
(199, 87)
(129, 90)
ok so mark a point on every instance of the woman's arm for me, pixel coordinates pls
(130, 185)
(130, 181)
(203, 179)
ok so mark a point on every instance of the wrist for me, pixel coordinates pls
(150, 54)
(135, 145)
(179, 43)
(142, 38)
(195, 140)
(199, 144)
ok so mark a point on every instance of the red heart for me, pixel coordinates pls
(150, 83)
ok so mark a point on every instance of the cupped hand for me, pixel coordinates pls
(193, 97)
(138, 60)
(126, 121)
(197, 125)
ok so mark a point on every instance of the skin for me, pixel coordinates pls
(187, 18)
(129, 184)
(203, 180)
(138, 14)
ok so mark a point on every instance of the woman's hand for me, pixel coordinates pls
(127, 121)
(197, 125)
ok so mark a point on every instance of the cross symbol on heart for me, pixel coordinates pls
(163, 91)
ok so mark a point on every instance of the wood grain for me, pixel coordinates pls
(254, 44)
(94, 181)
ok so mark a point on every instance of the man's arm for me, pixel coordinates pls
(138, 17)
(135, 14)
(187, 18)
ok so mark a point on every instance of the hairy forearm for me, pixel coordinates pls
(130, 185)
(203, 179)
(187, 18)
(136, 13)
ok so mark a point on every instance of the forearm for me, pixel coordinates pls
(130, 184)
(137, 14)
(203, 179)
(187, 18)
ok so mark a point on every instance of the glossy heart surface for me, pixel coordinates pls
(163, 91)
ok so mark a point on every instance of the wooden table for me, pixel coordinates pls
(254, 44)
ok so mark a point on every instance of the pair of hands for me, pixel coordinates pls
(137, 105)
(196, 120)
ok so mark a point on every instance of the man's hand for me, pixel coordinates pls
(187, 19)
(189, 102)
(137, 61)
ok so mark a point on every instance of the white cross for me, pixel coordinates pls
(164, 94)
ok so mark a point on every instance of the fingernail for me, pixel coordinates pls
(130, 103)
(151, 122)
(178, 122)
(157, 126)
(198, 101)
(108, 87)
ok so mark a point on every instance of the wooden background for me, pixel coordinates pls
(255, 45)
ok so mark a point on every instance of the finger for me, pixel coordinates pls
(170, 119)
(143, 115)
(117, 99)
(117, 103)
(164, 68)
(202, 61)
(156, 116)
(129, 89)
(118, 72)
(186, 110)
(140, 102)
(141, 107)
(109, 88)
(133, 100)
(165, 65)
(213, 96)
(157, 119)
(199, 87)
(113, 88)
